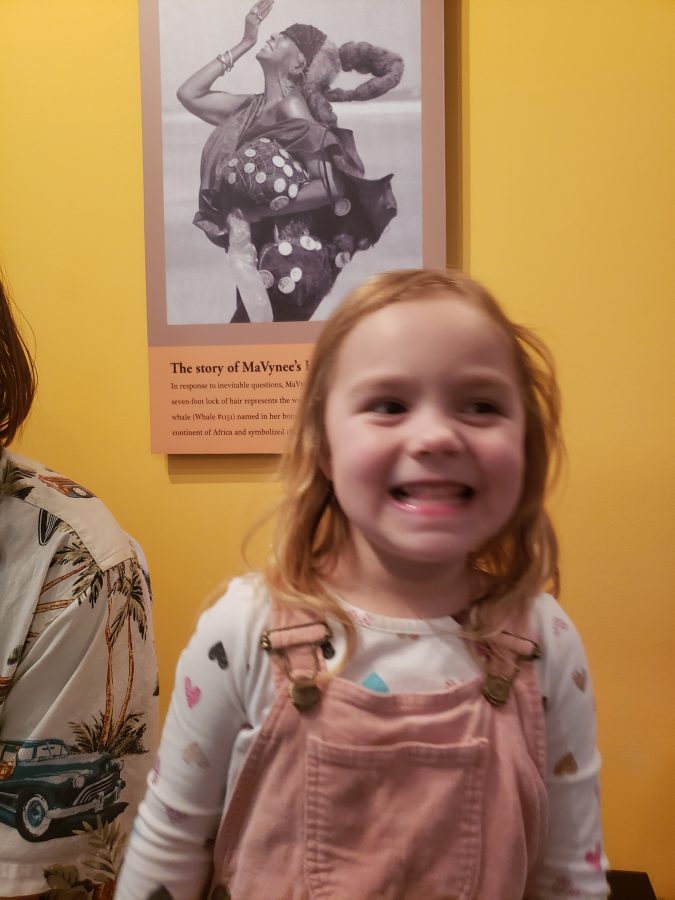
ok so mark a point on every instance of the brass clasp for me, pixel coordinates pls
(496, 689)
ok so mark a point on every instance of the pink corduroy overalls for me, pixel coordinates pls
(348, 794)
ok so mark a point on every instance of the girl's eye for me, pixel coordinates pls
(388, 407)
(483, 408)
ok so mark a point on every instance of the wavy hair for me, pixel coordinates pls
(18, 379)
(312, 530)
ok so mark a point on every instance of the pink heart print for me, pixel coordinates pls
(559, 625)
(564, 885)
(173, 815)
(193, 693)
(594, 857)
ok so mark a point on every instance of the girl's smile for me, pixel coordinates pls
(425, 429)
(432, 498)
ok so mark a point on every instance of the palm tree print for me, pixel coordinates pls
(126, 608)
(106, 843)
(123, 582)
(134, 612)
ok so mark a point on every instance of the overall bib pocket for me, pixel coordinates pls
(396, 822)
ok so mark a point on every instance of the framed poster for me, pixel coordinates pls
(290, 151)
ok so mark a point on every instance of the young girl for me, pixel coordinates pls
(393, 709)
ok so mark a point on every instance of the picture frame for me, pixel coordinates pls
(219, 386)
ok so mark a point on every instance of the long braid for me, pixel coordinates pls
(317, 79)
(360, 56)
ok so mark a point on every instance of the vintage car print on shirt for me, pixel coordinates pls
(48, 791)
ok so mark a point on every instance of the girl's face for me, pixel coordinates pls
(425, 428)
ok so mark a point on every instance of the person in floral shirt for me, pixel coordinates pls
(78, 674)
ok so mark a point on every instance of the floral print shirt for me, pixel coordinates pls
(78, 686)
(224, 692)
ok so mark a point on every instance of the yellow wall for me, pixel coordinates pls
(569, 142)
(570, 217)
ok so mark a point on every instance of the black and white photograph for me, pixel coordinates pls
(291, 153)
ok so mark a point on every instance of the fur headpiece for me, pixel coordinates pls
(306, 38)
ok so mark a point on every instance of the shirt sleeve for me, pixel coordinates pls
(171, 847)
(575, 862)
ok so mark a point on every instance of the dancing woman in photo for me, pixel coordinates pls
(282, 186)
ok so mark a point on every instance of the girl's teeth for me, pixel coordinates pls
(434, 492)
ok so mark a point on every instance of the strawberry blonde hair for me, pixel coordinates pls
(312, 530)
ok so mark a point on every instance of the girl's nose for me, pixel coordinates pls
(436, 434)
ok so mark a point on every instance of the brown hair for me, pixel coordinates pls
(18, 379)
(311, 527)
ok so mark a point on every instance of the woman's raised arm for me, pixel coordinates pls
(196, 95)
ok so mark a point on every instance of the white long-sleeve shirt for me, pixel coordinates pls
(224, 692)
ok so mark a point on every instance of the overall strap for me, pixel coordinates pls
(294, 640)
(503, 654)
(513, 649)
